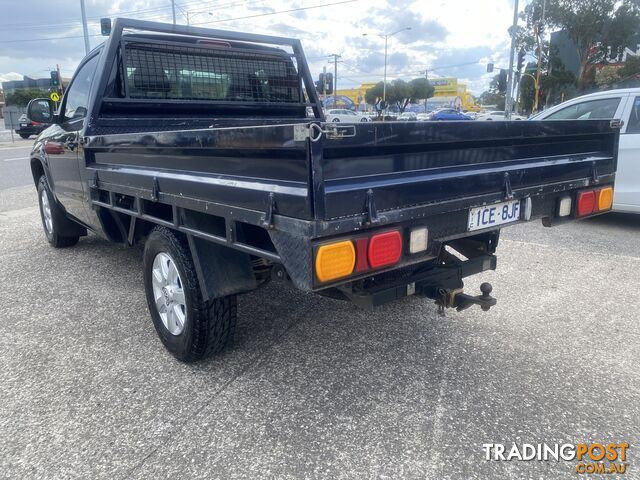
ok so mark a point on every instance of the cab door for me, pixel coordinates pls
(62, 146)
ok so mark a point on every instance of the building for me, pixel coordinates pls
(27, 82)
(447, 93)
(565, 48)
(355, 95)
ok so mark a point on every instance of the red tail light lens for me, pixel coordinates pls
(35, 123)
(586, 203)
(385, 249)
(361, 254)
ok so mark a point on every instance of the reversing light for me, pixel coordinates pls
(564, 207)
(605, 198)
(335, 260)
(385, 249)
(418, 239)
(586, 203)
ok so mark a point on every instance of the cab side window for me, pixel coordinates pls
(77, 97)
(634, 117)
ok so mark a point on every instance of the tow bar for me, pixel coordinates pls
(461, 301)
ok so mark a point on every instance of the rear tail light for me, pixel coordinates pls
(586, 203)
(362, 254)
(592, 201)
(35, 123)
(605, 199)
(385, 249)
(335, 260)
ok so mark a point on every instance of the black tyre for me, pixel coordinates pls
(54, 220)
(190, 328)
(335, 120)
(24, 135)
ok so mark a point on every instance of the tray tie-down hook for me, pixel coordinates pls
(461, 301)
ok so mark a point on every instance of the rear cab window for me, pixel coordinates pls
(168, 71)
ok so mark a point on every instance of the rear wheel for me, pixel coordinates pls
(190, 328)
(54, 219)
(335, 120)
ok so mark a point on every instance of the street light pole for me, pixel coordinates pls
(508, 104)
(84, 27)
(173, 10)
(384, 79)
(386, 44)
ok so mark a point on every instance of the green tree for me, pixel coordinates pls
(400, 92)
(597, 27)
(23, 96)
(606, 76)
(631, 67)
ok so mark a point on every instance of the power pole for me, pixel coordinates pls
(173, 10)
(60, 78)
(335, 78)
(508, 103)
(84, 28)
(426, 77)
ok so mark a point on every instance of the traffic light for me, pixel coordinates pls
(328, 78)
(502, 81)
(489, 67)
(105, 26)
(521, 55)
(55, 78)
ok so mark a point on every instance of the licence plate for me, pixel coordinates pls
(23, 124)
(492, 215)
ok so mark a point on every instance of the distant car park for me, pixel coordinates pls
(623, 104)
(423, 117)
(344, 115)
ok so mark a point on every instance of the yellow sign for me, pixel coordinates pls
(54, 96)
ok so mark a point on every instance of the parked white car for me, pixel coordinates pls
(621, 104)
(408, 116)
(344, 115)
(497, 115)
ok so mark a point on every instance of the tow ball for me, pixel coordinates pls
(461, 301)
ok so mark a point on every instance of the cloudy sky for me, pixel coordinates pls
(447, 37)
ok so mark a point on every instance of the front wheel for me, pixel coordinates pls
(190, 328)
(24, 135)
(335, 120)
(54, 220)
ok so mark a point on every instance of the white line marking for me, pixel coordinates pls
(15, 159)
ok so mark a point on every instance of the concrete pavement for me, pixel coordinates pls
(316, 388)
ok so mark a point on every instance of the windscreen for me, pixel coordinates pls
(209, 73)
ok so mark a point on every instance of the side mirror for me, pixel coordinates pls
(41, 110)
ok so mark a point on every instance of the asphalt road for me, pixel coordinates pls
(316, 388)
(14, 163)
